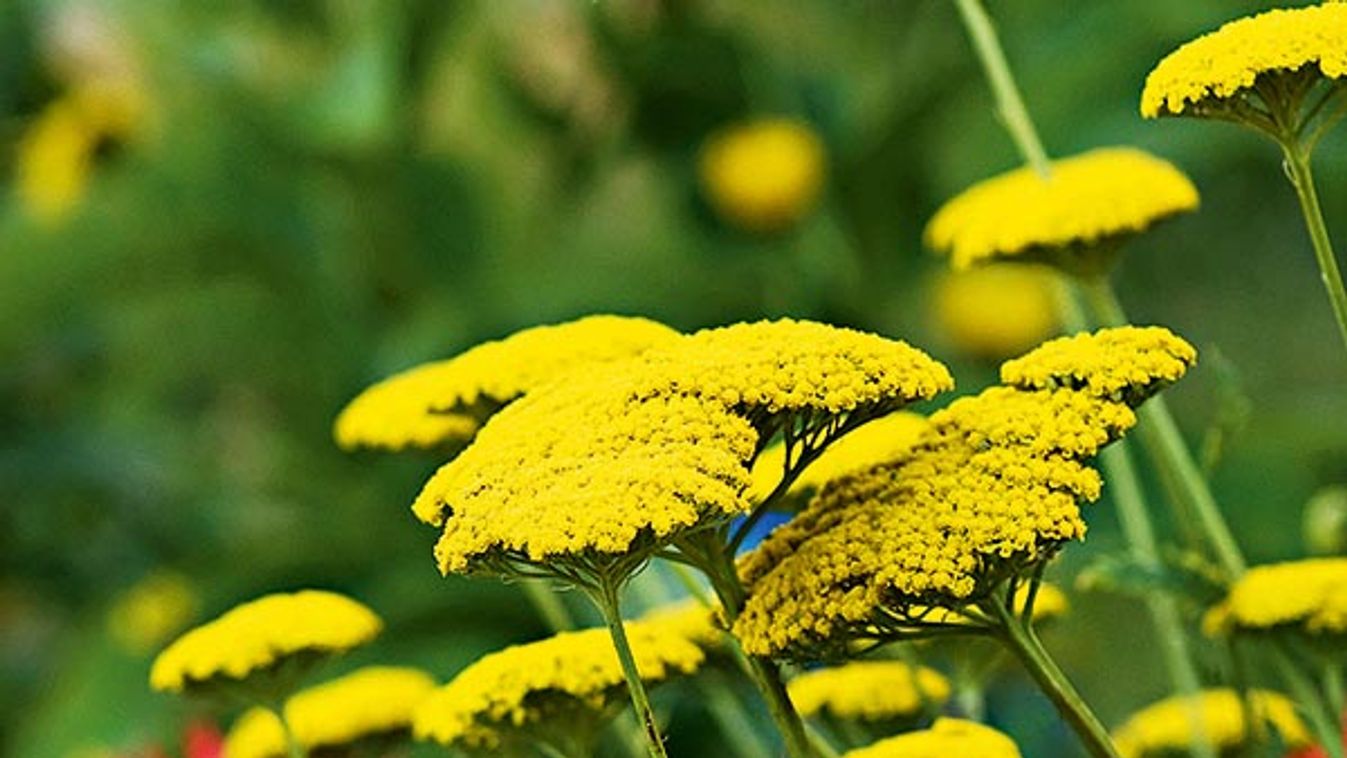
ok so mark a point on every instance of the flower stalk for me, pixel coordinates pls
(1297, 160)
(605, 596)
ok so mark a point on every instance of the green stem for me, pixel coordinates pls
(547, 605)
(1022, 641)
(1009, 103)
(605, 596)
(1323, 722)
(1165, 444)
(1298, 169)
(292, 747)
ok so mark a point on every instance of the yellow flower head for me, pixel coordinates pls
(153, 609)
(877, 441)
(442, 401)
(1126, 364)
(1089, 199)
(1166, 727)
(869, 690)
(1310, 595)
(372, 702)
(1050, 603)
(618, 461)
(946, 738)
(765, 175)
(994, 485)
(1202, 75)
(567, 683)
(261, 634)
(997, 310)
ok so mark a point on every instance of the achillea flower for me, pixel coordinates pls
(1088, 201)
(1308, 595)
(994, 486)
(1211, 74)
(561, 689)
(946, 738)
(877, 441)
(869, 691)
(763, 176)
(1126, 364)
(153, 609)
(443, 401)
(657, 445)
(260, 635)
(997, 310)
(1166, 728)
(371, 704)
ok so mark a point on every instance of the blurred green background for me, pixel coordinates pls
(289, 199)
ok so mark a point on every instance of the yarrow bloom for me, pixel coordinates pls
(1166, 728)
(371, 704)
(258, 636)
(994, 486)
(558, 690)
(1213, 73)
(997, 310)
(1086, 203)
(1306, 595)
(869, 691)
(1126, 364)
(765, 175)
(946, 738)
(445, 400)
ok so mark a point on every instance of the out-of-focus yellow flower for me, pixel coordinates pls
(1166, 728)
(261, 634)
(947, 738)
(997, 310)
(869, 690)
(376, 701)
(153, 609)
(1088, 199)
(883, 439)
(764, 175)
(1197, 78)
(1309, 595)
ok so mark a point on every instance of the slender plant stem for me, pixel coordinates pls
(606, 598)
(292, 747)
(1323, 722)
(1020, 639)
(548, 605)
(1302, 178)
(1009, 103)
(1162, 439)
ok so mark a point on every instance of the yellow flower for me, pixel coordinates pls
(1308, 594)
(1224, 65)
(869, 690)
(945, 739)
(997, 310)
(259, 635)
(569, 684)
(1127, 363)
(1166, 727)
(616, 462)
(880, 440)
(1050, 603)
(765, 175)
(152, 610)
(372, 702)
(442, 401)
(1093, 198)
(995, 484)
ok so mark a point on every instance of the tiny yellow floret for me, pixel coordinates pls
(765, 175)
(1095, 197)
(1166, 728)
(947, 738)
(1225, 64)
(997, 310)
(869, 690)
(260, 634)
(1309, 595)
(442, 401)
(376, 701)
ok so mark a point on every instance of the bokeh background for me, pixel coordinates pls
(219, 221)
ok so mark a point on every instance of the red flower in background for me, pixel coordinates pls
(202, 739)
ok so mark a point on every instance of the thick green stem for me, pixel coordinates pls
(606, 598)
(1298, 169)
(1020, 639)
(547, 605)
(1166, 447)
(1009, 103)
